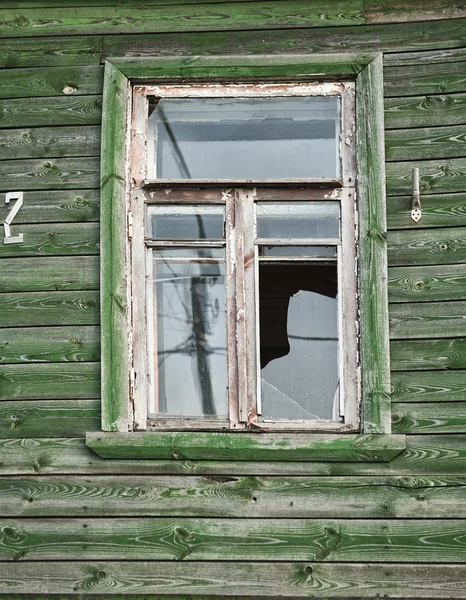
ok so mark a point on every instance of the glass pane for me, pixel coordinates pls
(206, 254)
(189, 338)
(298, 220)
(298, 314)
(185, 222)
(244, 138)
(299, 251)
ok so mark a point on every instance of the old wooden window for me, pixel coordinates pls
(223, 243)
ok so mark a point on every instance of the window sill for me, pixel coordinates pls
(247, 446)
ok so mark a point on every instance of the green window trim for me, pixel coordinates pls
(375, 442)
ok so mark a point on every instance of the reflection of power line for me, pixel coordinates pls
(302, 337)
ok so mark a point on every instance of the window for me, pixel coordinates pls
(236, 295)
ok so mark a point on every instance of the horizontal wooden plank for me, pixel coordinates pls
(208, 581)
(36, 82)
(51, 52)
(49, 344)
(338, 540)
(428, 355)
(424, 455)
(438, 210)
(40, 174)
(412, 10)
(425, 143)
(29, 309)
(48, 381)
(427, 320)
(435, 386)
(415, 80)
(435, 176)
(427, 246)
(9, 4)
(252, 497)
(436, 417)
(51, 273)
(426, 283)
(50, 142)
(178, 18)
(393, 37)
(47, 112)
(425, 57)
(425, 111)
(54, 239)
(52, 418)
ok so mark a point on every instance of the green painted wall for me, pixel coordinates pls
(73, 524)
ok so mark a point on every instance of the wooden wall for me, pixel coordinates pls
(74, 524)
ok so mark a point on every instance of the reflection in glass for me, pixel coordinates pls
(185, 222)
(298, 251)
(243, 138)
(299, 220)
(189, 339)
(298, 313)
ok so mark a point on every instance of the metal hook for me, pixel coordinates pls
(416, 205)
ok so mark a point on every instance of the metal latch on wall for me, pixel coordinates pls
(8, 238)
(416, 204)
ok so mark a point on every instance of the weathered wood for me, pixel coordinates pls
(432, 386)
(252, 497)
(435, 176)
(424, 454)
(209, 581)
(427, 283)
(48, 381)
(393, 37)
(50, 142)
(246, 446)
(53, 418)
(425, 57)
(422, 144)
(39, 112)
(395, 11)
(425, 111)
(51, 52)
(337, 540)
(34, 174)
(443, 417)
(427, 320)
(415, 80)
(51, 273)
(49, 344)
(427, 246)
(29, 309)
(50, 81)
(428, 355)
(438, 210)
(225, 16)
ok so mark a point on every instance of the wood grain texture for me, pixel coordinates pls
(435, 386)
(208, 581)
(425, 57)
(425, 111)
(51, 273)
(52, 418)
(34, 174)
(435, 176)
(191, 539)
(412, 11)
(49, 344)
(415, 80)
(426, 283)
(444, 417)
(50, 142)
(178, 18)
(428, 355)
(427, 320)
(44, 112)
(427, 246)
(36, 381)
(424, 455)
(425, 143)
(50, 52)
(29, 309)
(36, 82)
(239, 497)
(438, 210)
